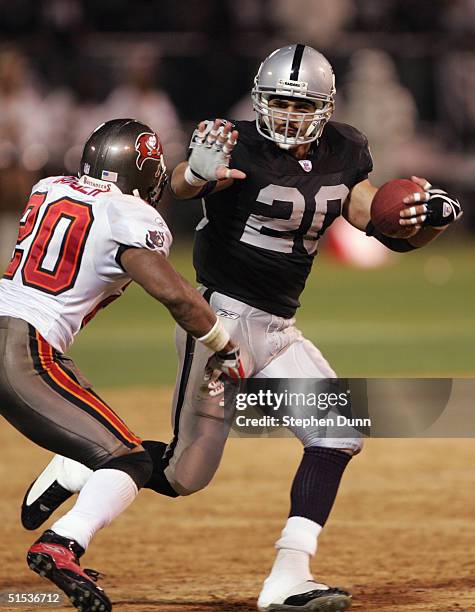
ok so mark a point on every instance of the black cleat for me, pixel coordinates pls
(44, 495)
(57, 559)
(317, 600)
(39, 503)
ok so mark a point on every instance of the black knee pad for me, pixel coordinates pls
(139, 466)
(158, 481)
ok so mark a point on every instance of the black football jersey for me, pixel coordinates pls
(259, 237)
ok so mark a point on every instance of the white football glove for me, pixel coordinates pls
(212, 145)
(229, 364)
(213, 386)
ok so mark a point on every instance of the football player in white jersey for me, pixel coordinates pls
(81, 242)
(270, 189)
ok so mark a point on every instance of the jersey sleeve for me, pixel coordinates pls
(134, 223)
(365, 161)
(43, 185)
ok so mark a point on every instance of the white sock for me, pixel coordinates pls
(70, 474)
(301, 534)
(298, 542)
(105, 495)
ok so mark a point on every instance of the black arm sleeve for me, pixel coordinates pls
(400, 245)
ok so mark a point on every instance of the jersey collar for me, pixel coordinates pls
(95, 183)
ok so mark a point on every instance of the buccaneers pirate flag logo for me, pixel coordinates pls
(155, 239)
(147, 146)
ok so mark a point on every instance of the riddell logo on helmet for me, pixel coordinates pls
(147, 146)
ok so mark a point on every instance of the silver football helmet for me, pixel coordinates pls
(296, 71)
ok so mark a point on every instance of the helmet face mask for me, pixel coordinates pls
(295, 73)
(129, 155)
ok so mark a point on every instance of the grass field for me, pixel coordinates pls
(414, 317)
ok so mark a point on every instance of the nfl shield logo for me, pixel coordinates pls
(306, 164)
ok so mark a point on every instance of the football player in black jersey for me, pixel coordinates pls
(270, 189)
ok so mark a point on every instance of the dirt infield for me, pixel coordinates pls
(401, 536)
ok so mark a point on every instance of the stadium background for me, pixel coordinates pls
(400, 536)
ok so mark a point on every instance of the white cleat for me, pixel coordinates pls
(46, 494)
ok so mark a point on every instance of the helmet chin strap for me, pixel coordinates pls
(287, 145)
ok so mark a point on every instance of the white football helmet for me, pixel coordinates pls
(296, 71)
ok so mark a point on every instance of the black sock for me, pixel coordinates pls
(158, 481)
(316, 483)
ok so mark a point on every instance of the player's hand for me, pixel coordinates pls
(225, 362)
(433, 208)
(211, 154)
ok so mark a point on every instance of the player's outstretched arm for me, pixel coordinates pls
(357, 206)
(208, 162)
(157, 276)
(431, 212)
(190, 310)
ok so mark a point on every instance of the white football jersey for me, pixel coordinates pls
(65, 265)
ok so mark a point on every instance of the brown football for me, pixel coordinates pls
(388, 203)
